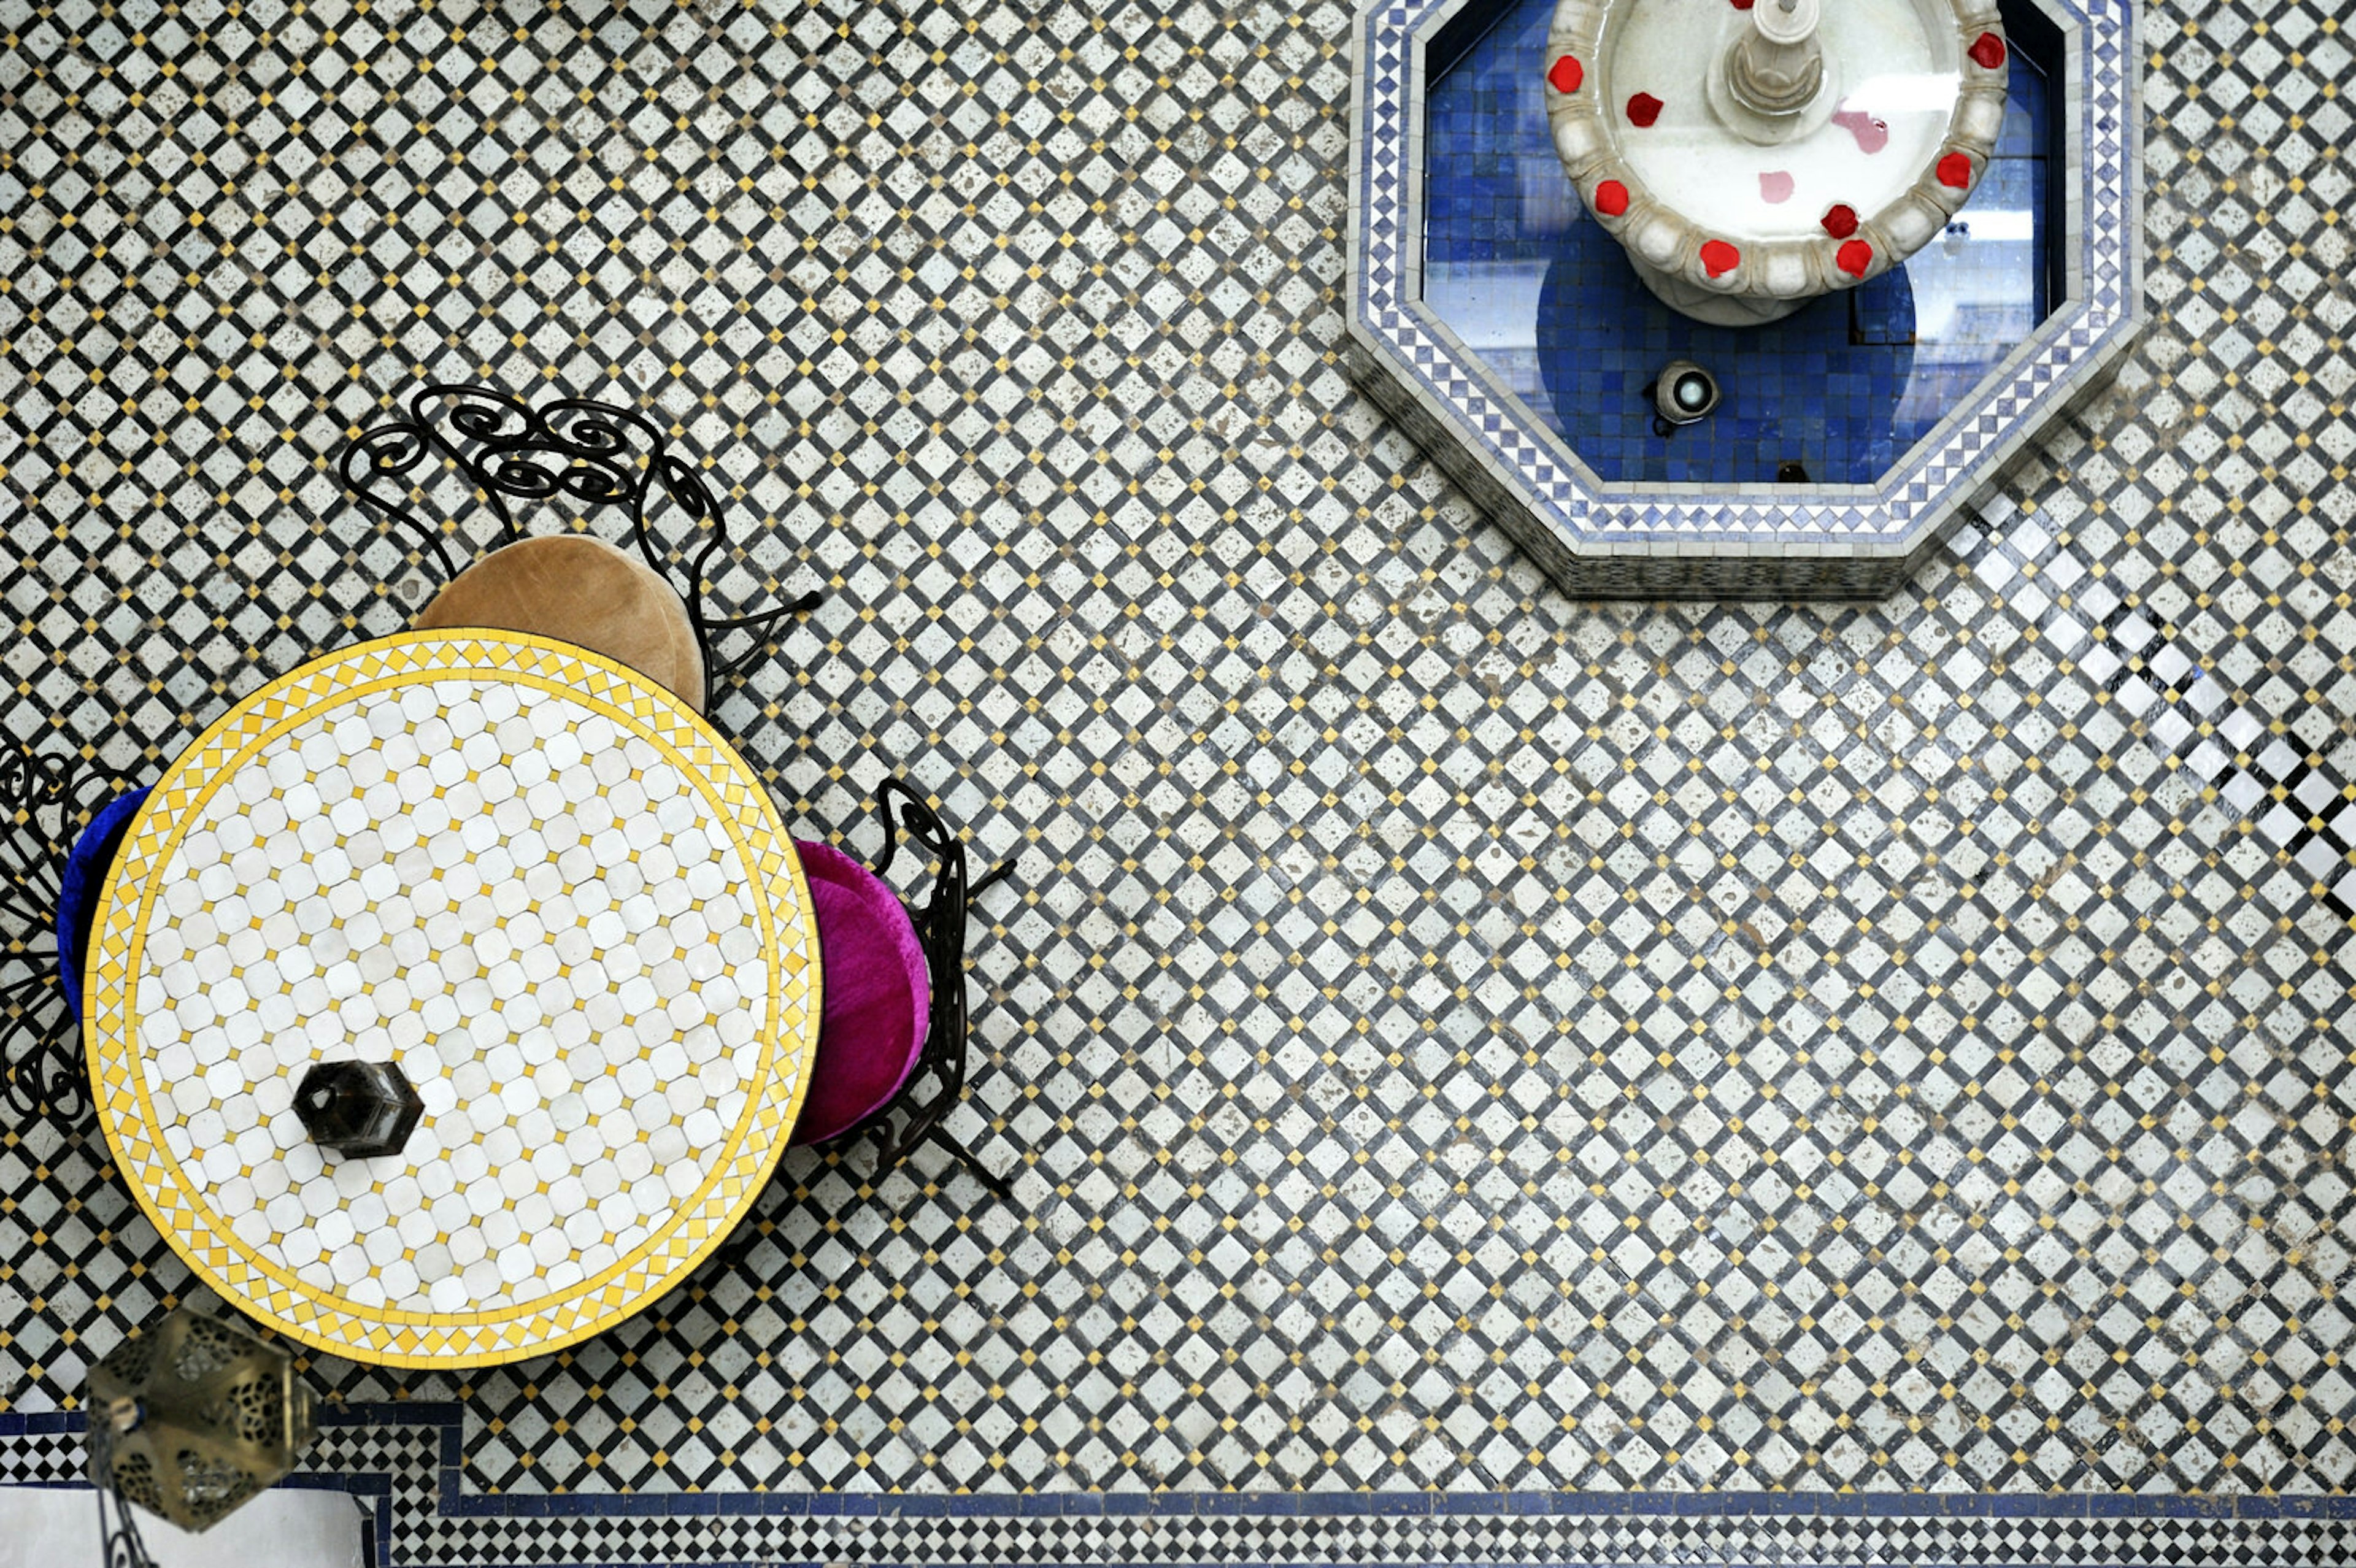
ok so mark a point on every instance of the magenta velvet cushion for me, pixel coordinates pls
(872, 969)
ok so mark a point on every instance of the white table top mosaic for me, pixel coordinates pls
(546, 890)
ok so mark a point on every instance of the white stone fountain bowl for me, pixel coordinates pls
(1735, 230)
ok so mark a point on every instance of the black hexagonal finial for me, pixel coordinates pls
(362, 1110)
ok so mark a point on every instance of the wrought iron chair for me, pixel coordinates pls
(58, 833)
(596, 454)
(872, 1079)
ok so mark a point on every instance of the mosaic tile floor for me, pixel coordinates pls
(1452, 1047)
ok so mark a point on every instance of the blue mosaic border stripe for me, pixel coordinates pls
(1530, 460)
(447, 1422)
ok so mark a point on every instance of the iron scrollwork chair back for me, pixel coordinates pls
(913, 1116)
(598, 455)
(44, 801)
(119, 1545)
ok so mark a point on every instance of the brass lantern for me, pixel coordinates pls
(193, 1417)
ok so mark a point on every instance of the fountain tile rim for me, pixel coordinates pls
(1565, 513)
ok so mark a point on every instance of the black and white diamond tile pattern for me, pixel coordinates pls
(1441, 1036)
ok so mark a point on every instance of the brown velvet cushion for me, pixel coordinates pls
(579, 590)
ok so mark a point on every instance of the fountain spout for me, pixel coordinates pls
(1776, 70)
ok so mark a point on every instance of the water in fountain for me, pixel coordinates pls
(1516, 269)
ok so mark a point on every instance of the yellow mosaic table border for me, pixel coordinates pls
(384, 1336)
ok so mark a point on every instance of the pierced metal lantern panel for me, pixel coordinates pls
(191, 1418)
(362, 1110)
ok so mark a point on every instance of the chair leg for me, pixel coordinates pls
(757, 627)
(972, 1162)
(888, 1158)
(940, 1133)
(994, 876)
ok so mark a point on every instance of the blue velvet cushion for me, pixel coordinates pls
(87, 864)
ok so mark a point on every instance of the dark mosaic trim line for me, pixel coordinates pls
(446, 1421)
(407, 1523)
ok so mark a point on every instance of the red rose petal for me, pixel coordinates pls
(1840, 220)
(1988, 50)
(1566, 74)
(1853, 258)
(1743, 5)
(1719, 258)
(1955, 170)
(1643, 109)
(1611, 198)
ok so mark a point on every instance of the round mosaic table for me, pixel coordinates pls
(547, 891)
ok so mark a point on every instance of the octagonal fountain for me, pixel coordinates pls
(1879, 244)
